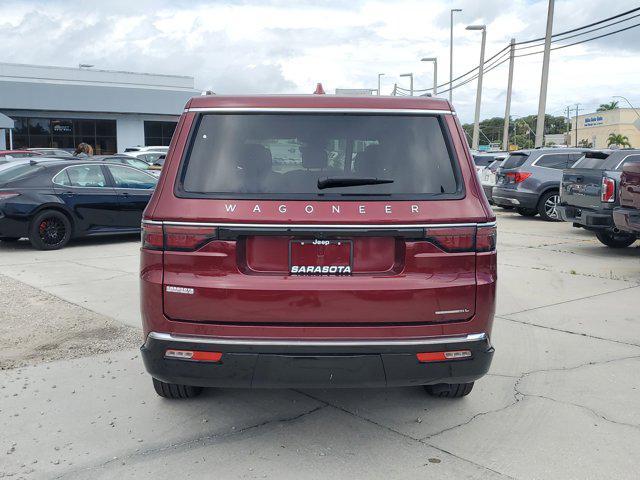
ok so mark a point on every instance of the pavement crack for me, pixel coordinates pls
(570, 332)
(404, 435)
(201, 440)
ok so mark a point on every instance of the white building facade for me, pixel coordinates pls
(60, 107)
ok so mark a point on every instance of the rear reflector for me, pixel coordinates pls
(176, 238)
(442, 356)
(195, 355)
(463, 239)
(608, 190)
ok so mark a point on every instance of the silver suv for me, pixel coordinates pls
(529, 180)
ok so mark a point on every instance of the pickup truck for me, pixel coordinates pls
(589, 194)
(627, 216)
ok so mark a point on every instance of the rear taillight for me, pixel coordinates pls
(517, 177)
(463, 239)
(608, 190)
(7, 195)
(176, 237)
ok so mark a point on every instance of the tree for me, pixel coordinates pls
(618, 140)
(491, 129)
(584, 143)
(607, 106)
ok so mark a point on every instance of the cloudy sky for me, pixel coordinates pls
(288, 46)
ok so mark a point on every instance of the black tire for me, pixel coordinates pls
(548, 206)
(49, 230)
(615, 240)
(449, 390)
(526, 212)
(175, 391)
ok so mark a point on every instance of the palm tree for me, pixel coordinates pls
(607, 106)
(618, 140)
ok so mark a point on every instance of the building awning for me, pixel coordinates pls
(5, 122)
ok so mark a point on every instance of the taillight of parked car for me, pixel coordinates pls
(176, 237)
(608, 190)
(463, 239)
(517, 177)
(8, 195)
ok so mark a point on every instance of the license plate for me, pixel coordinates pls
(321, 257)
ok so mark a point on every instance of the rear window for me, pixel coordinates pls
(18, 172)
(515, 160)
(483, 160)
(277, 155)
(589, 162)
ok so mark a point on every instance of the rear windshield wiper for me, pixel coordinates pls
(333, 182)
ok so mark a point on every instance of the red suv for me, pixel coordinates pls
(318, 241)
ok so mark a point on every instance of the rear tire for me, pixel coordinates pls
(526, 212)
(548, 206)
(175, 391)
(615, 240)
(49, 230)
(449, 390)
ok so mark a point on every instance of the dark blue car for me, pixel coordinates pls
(52, 201)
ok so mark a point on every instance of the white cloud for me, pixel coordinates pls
(286, 47)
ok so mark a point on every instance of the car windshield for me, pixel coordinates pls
(276, 154)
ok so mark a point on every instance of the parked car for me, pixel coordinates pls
(529, 180)
(52, 201)
(147, 156)
(9, 155)
(627, 216)
(126, 160)
(140, 148)
(58, 152)
(483, 159)
(589, 193)
(361, 254)
(156, 166)
(488, 173)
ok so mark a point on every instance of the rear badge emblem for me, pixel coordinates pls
(448, 312)
(185, 290)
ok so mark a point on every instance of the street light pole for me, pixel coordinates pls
(545, 78)
(380, 75)
(435, 72)
(507, 109)
(626, 100)
(475, 142)
(451, 56)
(410, 75)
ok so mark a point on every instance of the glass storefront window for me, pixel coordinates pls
(158, 133)
(65, 133)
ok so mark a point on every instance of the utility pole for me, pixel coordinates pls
(450, 57)
(568, 133)
(577, 110)
(545, 78)
(380, 75)
(507, 109)
(476, 123)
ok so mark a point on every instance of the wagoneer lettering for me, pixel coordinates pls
(323, 241)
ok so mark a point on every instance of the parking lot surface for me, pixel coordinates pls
(562, 399)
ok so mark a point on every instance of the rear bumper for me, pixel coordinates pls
(627, 219)
(316, 363)
(514, 198)
(602, 219)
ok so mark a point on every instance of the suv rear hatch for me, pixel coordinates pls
(587, 185)
(337, 172)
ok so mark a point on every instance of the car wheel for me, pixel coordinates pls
(175, 391)
(449, 390)
(616, 240)
(548, 206)
(49, 230)
(527, 212)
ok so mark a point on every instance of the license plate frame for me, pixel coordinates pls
(299, 249)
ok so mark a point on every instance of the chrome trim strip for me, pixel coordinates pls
(404, 111)
(325, 226)
(447, 312)
(475, 337)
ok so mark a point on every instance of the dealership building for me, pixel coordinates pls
(59, 107)
(596, 127)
